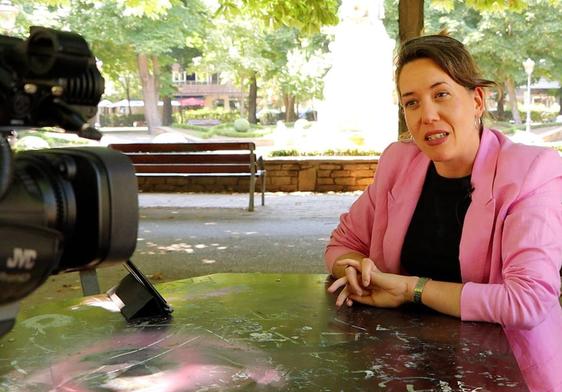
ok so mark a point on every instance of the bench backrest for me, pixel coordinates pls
(227, 157)
(182, 147)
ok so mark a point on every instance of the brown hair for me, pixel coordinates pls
(448, 53)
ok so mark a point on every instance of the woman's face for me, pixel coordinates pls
(441, 116)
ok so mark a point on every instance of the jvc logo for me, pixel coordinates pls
(23, 258)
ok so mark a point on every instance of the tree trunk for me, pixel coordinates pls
(500, 111)
(127, 87)
(410, 25)
(167, 111)
(510, 87)
(253, 100)
(290, 115)
(156, 76)
(149, 93)
(242, 100)
(410, 19)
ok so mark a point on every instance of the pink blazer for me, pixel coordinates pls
(511, 244)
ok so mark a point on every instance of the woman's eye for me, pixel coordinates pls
(442, 94)
(410, 104)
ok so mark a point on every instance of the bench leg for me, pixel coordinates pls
(263, 189)
(252, 188)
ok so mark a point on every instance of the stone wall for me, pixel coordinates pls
(291, 174)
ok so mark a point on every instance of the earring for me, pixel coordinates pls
(405, 137)
(478, 122)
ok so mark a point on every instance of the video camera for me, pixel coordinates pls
(62, 209)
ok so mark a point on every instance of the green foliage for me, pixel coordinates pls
(120, 120)
(284, 62)
(226, 129)
(483, 5)
(299, 63)
(119, 31)
(307, 16)
(147, 27)
(500, 34)
(235, 134)
(206, 114)
(269, 116)
(49, 135)
(241, 125)
(508, 127)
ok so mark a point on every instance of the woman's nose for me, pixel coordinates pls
(429, 113)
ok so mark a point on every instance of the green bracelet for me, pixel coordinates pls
(418, 290)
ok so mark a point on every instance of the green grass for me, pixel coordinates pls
(225, 129)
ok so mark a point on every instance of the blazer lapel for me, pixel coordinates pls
(402, 200)
(479, 220)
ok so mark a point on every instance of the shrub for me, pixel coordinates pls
(206, 114)
(225, 129)
(120, 120)
(543, 116)
(241, 125)
(536, 116)
(269, 116)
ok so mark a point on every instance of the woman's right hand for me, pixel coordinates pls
(352, 275)
(365, 283)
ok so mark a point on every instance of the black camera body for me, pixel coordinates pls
(62, 209)
(50, 79)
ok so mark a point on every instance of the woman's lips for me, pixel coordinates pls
(435, 138)
(437, 135)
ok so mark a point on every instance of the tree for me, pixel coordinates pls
(500, 41)
(299, 65)
(237, 50)
(180, 55)
(307, 17)
(499, 35)
(144, 29)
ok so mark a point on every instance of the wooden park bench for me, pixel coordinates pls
(226, 159)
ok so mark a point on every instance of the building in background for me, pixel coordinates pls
(197, 91)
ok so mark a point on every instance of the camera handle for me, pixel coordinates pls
(6, 163)
(72, 120)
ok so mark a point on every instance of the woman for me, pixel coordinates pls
(461, 219)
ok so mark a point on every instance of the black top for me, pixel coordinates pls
(431, 245)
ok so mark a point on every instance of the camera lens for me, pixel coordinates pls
(66, 210)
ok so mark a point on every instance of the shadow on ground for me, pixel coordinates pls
(186, 235)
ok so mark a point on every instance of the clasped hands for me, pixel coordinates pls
(365, 283)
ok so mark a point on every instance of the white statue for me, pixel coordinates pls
(359, 87)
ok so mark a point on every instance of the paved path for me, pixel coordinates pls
(184, 235)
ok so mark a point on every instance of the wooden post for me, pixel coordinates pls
(252, 178)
